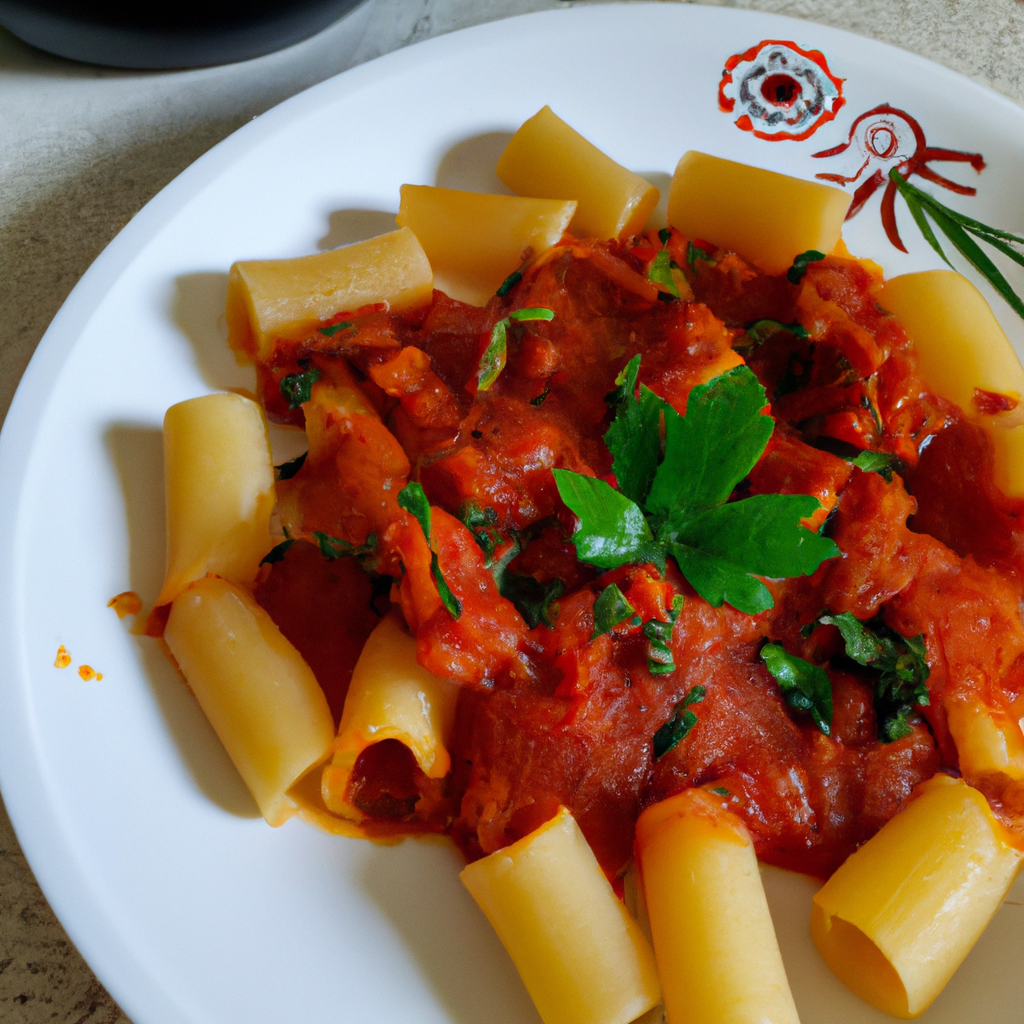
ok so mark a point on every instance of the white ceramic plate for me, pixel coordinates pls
(186, 905)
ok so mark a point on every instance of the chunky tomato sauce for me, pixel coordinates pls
(548, 716)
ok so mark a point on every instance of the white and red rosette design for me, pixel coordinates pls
(780, 90)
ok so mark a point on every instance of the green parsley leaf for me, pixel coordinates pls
(492, 362)
(634, 437)
(298, 387)
(610, 608)
(613, 530)
(804, 686)
(277, 553)
(508, 284)
(875, 462)
(796, 272)
(660, 273)
(334, 328)
(414, 501)
(539, 400)
(900, 661)
(288, 469)
(720, 790)
(659, 655)
(664, 235)
(694, 253)
(714, 446)
(720, 546)
(679, 726)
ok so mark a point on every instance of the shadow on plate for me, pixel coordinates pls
(137, 454)
(416, 885)
(347, 226)
(469, 164)
(197, 308)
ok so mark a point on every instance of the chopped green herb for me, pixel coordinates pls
(533, 599)
(539, 400)
(660, 273)
(900, 661)
(664, 235)
(334, 328)
(277, 553)
(866, 403)
(958, 228)
(721, 546)
(694, 253)
(480, 522)
(288, 469)
(659, 655)
(875, 462)
(761, 330)
(298, 387)
(492, 362)
(610, 608)
(720, 790)
(804, 686)
(796, 272)
(509, 283)
(679, 726)
(414, 501)
(334, 547)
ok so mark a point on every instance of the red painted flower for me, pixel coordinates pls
(884, 139)
(780, 90)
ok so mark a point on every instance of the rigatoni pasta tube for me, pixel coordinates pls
(475, 241)
(547, 158)
(962, 349)
(261, 698)
(271, 299)
(713, 936)
(898, 918)
(391, 697)
(766, 217)
(581, 956)
(219, 486)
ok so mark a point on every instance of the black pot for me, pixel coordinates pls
(167, 33)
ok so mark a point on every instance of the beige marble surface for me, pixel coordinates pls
(83, 148)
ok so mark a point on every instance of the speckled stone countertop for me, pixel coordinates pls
(83, 148)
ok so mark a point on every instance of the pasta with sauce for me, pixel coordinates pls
(663, 550)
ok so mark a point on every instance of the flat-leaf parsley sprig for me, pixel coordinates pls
(673, 498)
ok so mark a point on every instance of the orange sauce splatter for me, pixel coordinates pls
(63, 658)
(87, 672)
(128, 603)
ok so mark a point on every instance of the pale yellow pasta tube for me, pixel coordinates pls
(547, 158)
(713, 935)
(391, 697)
(261, 698)
(475, 241)
(767, 218)
(219, 486)
(581, 956)
(988, 741)
(960, 348)
(898, 918)
(278, 299)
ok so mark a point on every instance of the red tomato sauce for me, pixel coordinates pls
(547, 715)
